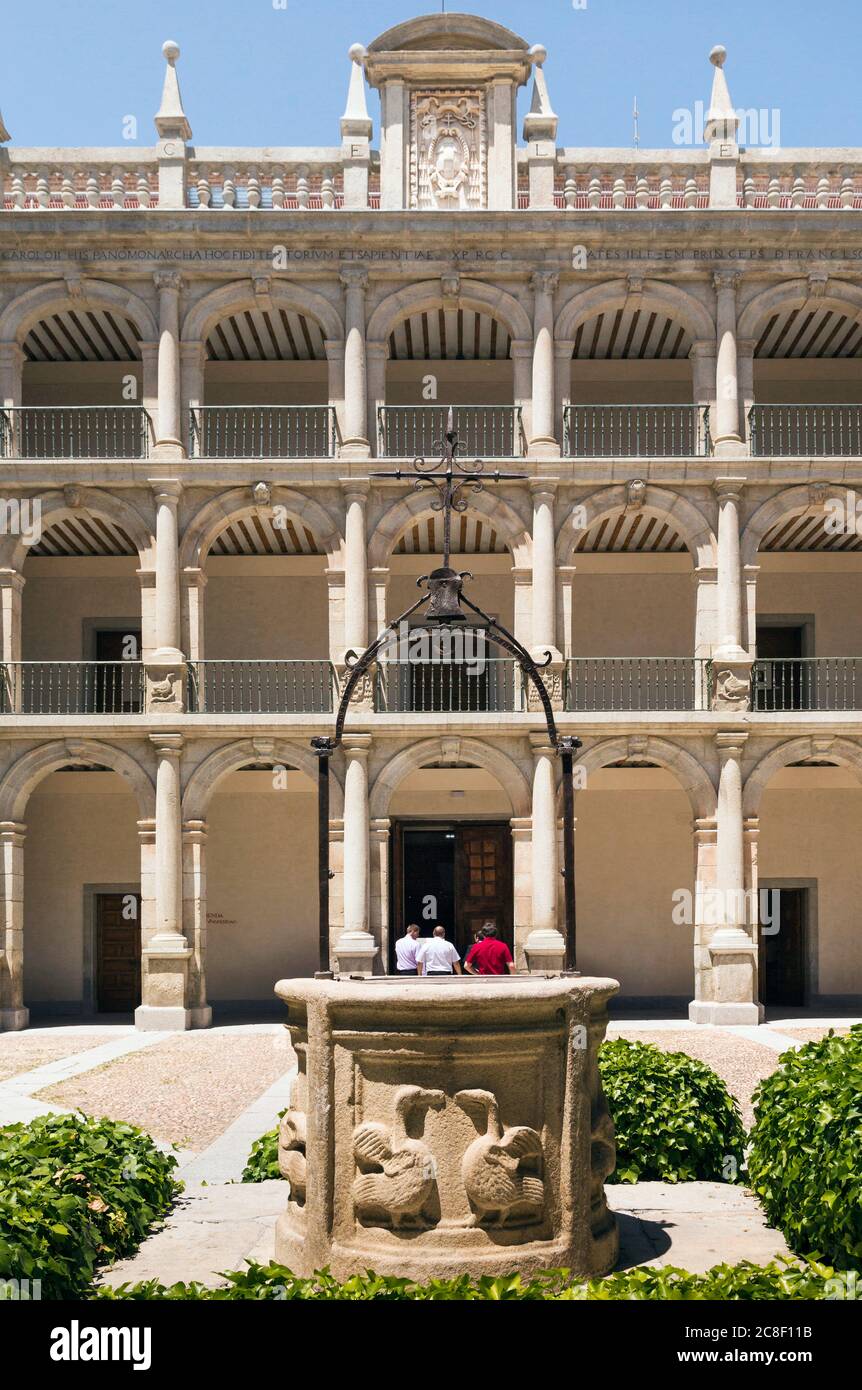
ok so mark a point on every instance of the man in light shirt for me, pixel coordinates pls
(437, 956)
(405, 951)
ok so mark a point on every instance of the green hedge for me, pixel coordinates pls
(724, 1283)
(675, 1119)
(805, 1161)
(76, 1193)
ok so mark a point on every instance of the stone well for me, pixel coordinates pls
(447, 1126)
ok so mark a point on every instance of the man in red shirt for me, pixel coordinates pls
(489, 955)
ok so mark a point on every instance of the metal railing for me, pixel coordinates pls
(263, 431)
(261, 687)
(75, 432)
(806, 431)
(72, 687)
(414, 431)
(492, 685)
(806, 684)
(636, 431)
(637, 683)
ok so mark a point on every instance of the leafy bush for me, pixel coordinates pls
(262, 1163)
(805, 1162)
(76, 1193)
(779, 1280)
(675, 1119)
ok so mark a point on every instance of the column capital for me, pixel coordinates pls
(12, 832)
(12, 579)
(356, 746)
(541, 745)
(377, 350)
(147, 831)
(334, 349)
(166, 489)
(745, 347)
(543, 488)
(168, 280)
(729, 489)
(195, 832)
(353, 277)
(730, 744)
(193, 577)
(11, 352)
(564, 348)
(167, 745)
(355, 489)
(726, 280)
(522, 347)
(545, 281)
(704, 347)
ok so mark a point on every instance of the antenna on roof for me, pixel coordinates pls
(637, 115)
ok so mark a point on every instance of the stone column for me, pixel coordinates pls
(335, 392)
(355, 441)
(377, 355)
(355, 567)
(726, 432)
(522, 879)
(166, 670)
(732, 669)
(545, 947)
(542, 437)
(566, 601)
(194, 583)
(195, 920)
(150, 389)
(379, 886)
(193, 378)
(729, 964)
(166, 955)
(168, 284)
(11, 594)
(356, 948)
(544, 570)
(745, 366)
(335, 609)
(13, 1015)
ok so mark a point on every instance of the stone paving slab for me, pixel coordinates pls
(694, 1225)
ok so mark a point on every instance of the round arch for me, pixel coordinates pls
(791, 501)
(24, 774)
(692, 525)
(55, 507)
(234, 756)
(24, 312)
(239, 294)
(693, 778)
(795, 750)
(212, 518)
(391, 525)
(838, 295)
(470, 750)
(428, 294)
(677, 304)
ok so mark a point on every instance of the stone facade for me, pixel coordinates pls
(206, 356)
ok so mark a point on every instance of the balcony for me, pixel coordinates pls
(417, 431)
(489, 686)
(637, 684)
(636, 431)
(807, 684)
(261, 687)
(263, 432)
(805, 431)
(72, 687)
(75, 432)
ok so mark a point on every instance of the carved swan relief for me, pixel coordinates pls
(502, 1168)
(398, 1175)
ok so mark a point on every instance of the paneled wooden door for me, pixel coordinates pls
(483, 881)
(118, 953)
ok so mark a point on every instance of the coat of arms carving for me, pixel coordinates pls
(448, 150)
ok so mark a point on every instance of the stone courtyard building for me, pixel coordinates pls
(206, 356)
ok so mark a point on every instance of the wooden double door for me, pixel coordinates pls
(458, 875)
(118, 952)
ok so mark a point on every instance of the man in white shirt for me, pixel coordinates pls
(437, 956)
(405, 951)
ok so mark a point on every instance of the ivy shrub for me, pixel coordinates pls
(724, 1283)
(675, 1119)
(76, 1193)
(805, 1161)
(262, 1163)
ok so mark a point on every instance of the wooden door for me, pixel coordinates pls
(782, 953)
(118, 953)
(483, 882)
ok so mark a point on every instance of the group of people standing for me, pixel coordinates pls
(434, 955)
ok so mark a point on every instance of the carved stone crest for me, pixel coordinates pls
(448, 151)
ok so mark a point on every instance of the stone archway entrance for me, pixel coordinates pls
(456, 873)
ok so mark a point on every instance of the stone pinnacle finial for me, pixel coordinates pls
(722, 122)
(541, 121)
(356, 120)
(171, 119)
(4, 134)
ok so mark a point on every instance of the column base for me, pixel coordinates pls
(545, 949)
(14, 1020)
(151, 1018)
(201, 1018)
(355, 449)
(355, 952)
(702, 1011)
(543, 447)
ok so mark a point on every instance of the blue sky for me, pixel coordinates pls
(255, 74)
